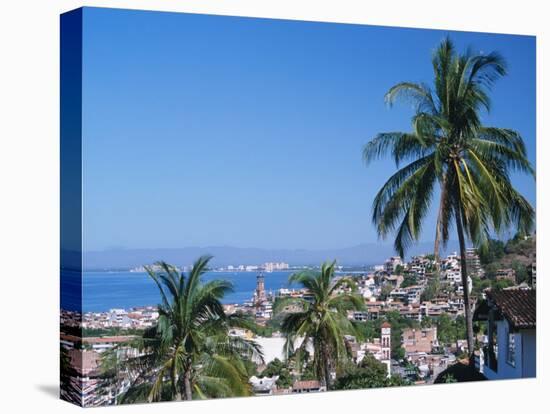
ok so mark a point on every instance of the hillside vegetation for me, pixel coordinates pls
(517, 253)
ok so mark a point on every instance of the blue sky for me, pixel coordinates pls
(209, 130)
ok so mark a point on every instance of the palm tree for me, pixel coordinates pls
(450, 149)
(189, 353)
(322, 321)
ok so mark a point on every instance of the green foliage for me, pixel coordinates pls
(88, 332)
(480, 328)
(479, 285)
(370, 373)
(501, 284)
(323, 320)
(516, 253)
(250, 367)
(367, 330)
(520, 245)
(278, 367)
(449, 330)
(522, 274)
(397, 352)
(449, 379)
(448, 147)
(491, 270)
(432, 289)
(399, 269)
(408, 281)
(264, 331)
(309, 372)
(398, 323)
(189, 352)
(385, 292)
(494, 250)
(427, 322)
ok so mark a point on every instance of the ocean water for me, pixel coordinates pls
(102, 291)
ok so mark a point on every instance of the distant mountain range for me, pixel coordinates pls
(364, 254)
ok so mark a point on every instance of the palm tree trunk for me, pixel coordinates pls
(174, 380)
(177, 395)
(438, 226)
(464, 274)
(326, 362)
(187, 384)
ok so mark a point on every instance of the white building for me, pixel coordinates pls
(265, 385)
(473, 262)
(274, 266)
(391, 264)
(385, 341)
(460, 288)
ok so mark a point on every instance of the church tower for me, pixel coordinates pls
(260, 289)
(385, 339)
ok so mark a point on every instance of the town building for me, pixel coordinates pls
(419, 265)
(259, 294)
(391, 264)
(506, 274)
(85, 379)
(533, 275)
(473, 264)
(408, 295)
(300, 387)
(460, 288)
(104, 343)
(274, 266)
(511, 348)
(393, 280)
(358, 316)
(419, 340)
(265, 385)
(429, 365)
(379, 348)
(385, 341)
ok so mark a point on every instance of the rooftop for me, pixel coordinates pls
(306, 385)
(518, 306)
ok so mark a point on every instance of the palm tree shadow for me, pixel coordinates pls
(50, 390)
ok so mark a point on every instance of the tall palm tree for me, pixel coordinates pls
(449, 148)
(322, 321)
(189, 352)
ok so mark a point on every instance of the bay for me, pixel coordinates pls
(102, 291)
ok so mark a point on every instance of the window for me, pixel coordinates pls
(511, 355)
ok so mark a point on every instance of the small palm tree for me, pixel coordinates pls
(189, 353)
(450, 148)
(322, 321)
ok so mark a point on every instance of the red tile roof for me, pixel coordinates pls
(306, 385)
(518, 306)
